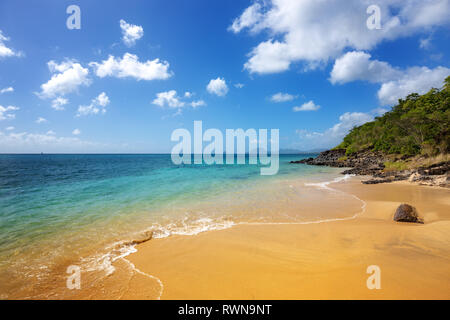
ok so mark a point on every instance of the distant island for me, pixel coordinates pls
(410, 142)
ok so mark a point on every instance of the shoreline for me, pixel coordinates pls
(302, 261)
(322, 259)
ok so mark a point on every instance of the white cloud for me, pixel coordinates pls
(6, 113)
(169, 99)
(294, 34)
(41, 120)
(347, 121)
(357, 65)
(395, 83)
(130, 33)
(102, 100)
(50, 132)
(334, 135)
(198, 103)
(76, 132)
(9, 128)
(308, 106)
(5, 90)
(416, 79)
(379, 111)
(48, 142)
(248, 18)
(129, 66)
(59, 102)
(239, 85)
(68, 77)
(218, 87)
(282, 97)
(425, 43)
(4, 50)
(97, 106)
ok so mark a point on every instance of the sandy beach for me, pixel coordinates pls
(301, 261)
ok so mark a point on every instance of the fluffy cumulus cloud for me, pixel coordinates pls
(415, 79)
(294, 34)
(4, 50)
(76, 132)
(197, 103)
(357, 65)
(7, 113)
(218, 87)
(130, 33)
(308, 106)
(41, 120)
(67, 77)
(168, 99)
(395, 83)
(97, 106)
(282, 97)
(59, 102)
(250, 17)
(129, 66)
(334, 135)
(6, 90)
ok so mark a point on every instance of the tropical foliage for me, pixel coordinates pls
(419, 124)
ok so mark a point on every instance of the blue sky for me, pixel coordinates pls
(311, 69)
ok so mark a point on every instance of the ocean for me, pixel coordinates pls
(58, 210)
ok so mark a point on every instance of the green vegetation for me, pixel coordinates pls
(418, 125)
(396, 166)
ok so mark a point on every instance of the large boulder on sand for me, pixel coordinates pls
(407, 213)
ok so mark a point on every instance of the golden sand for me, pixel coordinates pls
(314, 261)
(326, 260)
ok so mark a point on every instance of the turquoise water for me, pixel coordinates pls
(59, 208)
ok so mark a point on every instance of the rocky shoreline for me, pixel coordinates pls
(369, 163)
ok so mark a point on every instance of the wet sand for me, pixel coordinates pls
(305, 261)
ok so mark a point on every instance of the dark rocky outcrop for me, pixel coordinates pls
(370, 163)
(362, 163)
(305, 161)
(435, 169)
(407, 213)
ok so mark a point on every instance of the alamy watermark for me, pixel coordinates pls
(374, 21)
(74, 20)
(258, 150)
(374, 280)
(74, 279)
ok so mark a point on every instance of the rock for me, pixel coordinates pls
(435, 169)
(306, 161)
(377, 181)
(371, 163)
(407, 213)
(414, 177)
(144, 237)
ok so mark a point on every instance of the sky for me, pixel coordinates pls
(134, 71)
